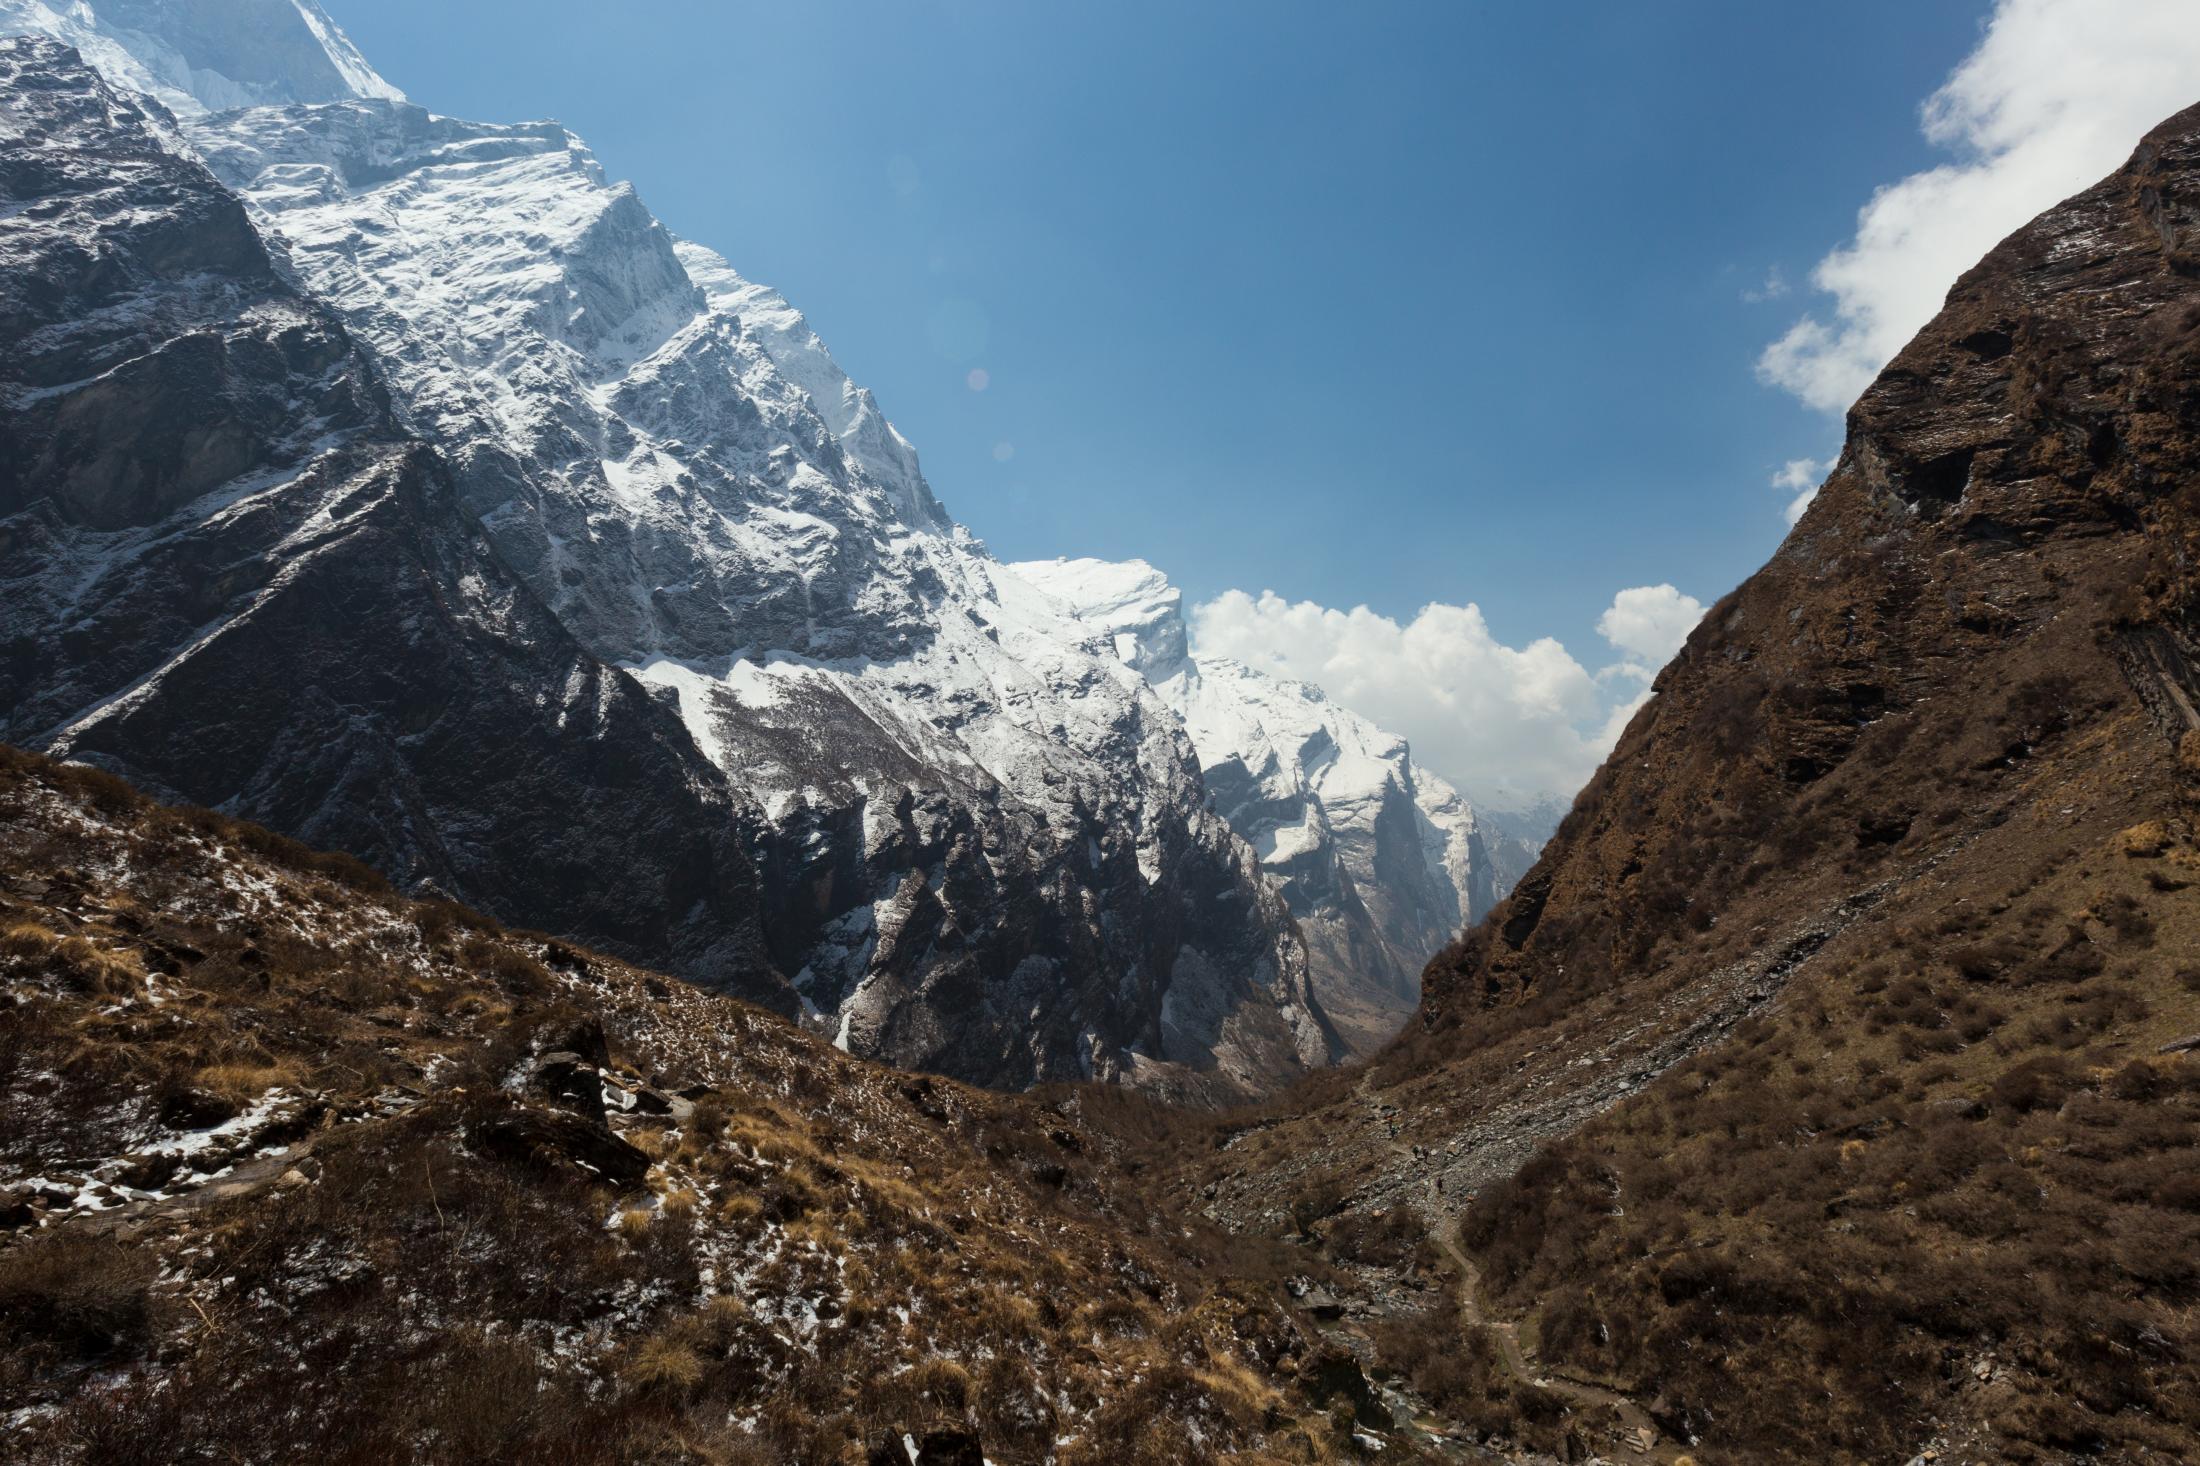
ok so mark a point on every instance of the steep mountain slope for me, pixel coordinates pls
(222, 563)
(984, 849)
(1852, 1009)
(292, 1167)
(1381, 861)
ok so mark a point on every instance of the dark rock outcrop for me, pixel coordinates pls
(932, 1448)
(550, 1141)
(570, 1081)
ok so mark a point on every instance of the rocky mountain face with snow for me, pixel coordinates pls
(225, 565)
(197, 56)
(1381, 861)
(401, 483)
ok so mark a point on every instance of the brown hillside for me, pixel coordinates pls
(1999, 562)
(1841, 1028)
(294, 1168)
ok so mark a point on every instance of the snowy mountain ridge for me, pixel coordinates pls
(198, 56)
(1381, 861)
(983, 835)
(985, 847)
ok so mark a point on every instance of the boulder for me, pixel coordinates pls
(949, 1448)
(554, 1141)
(650, 1099)
(192, 1108)
(929, 1449)
(571, 1082)
(148, 1172)
(578, 1033)
(933, 1448)
(1330, 1373)
(1322, 1303)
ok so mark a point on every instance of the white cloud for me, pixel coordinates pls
(2055, 96)
(1800, 477)
(1504, 722)
(1799, 473)
(1649, 623)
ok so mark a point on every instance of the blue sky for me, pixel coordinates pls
(1377, 304)
(1384, 303)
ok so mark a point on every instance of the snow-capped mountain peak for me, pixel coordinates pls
(196, 56)
(981, 839)
(1381, 861)
(1129, 600)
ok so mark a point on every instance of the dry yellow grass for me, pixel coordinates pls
(1115, 1318)
(940, 1383)
(652, 1142)
(244, 1082)
(663, 1365)
(27, 939)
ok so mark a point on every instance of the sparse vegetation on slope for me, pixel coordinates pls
(295, 1167)
(1945, 1181)
(1831, 1087)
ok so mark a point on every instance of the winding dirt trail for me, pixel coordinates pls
(1600, 1408)
(1602, 1412)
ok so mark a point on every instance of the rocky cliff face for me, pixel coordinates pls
(2011, 501)
(1381, 861)
(228, 568)
(980, 846)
